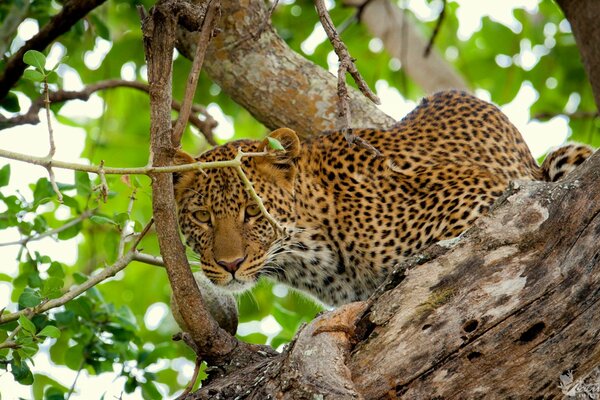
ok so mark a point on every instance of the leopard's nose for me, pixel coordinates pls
(231, 266)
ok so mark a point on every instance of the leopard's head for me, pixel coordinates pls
(220, 220)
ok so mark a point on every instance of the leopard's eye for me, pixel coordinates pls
(202, 216)
(252, 210)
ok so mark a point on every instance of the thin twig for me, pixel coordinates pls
(77, 290)
(124, 234)
(9, 344)
(436, 30)
(22, 242)
(342, 51)
(103, 186)
(190, 385)
(69, 15)
(52, 150)
(190, 89)
(158, 261)
(205, 126)
(147, 170)
(72, 389)
(573, 115)
(248, 185)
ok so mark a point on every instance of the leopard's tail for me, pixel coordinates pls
(563, 160)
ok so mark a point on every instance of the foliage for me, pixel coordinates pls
(104, 330)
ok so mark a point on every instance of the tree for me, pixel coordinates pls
(107, 327)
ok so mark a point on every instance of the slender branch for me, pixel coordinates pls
(573, 115)
(77, 290)
(103, 186)
(52, 149)
(158, 261)
(72, 389)
(124, 234)
(342, 51)
(16, 15)
(69, 15)
(84, 215)
(436, 30)
(9, 344)
(205, 126)
(147, 170)
(203, 41)
(248, 185)
(190, 385)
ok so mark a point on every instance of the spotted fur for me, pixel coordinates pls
(349, 216)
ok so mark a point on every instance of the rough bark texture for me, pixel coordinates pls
(250, 63)
(583, 17)
(403, 40)
(506, 312)
(210, 341)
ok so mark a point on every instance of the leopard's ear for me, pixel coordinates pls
(288, 140)
(182, 179)
(280, 164)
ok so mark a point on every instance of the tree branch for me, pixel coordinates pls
(71, 13)
(31, 117)
(293, 92)
(346, 65)
(77, 290)
(22, 242)
(403, 39)
(203, 39)
(583, 17)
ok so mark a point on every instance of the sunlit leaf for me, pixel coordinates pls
(35, 59)
(50, 331)
(4, 175)
(26, 324)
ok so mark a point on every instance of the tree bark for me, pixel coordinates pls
(403, 40)
(249, 61)
(509, 311)
(583, 17)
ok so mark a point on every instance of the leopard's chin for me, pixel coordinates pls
(234, 285)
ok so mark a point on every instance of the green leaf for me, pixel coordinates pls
(149, 391)
(33, 75)
(35, 59)
(29, 298)
(26, 324)
(70, 232)
(83, 183)
(74, 357)
(10, 103)
(21, 373)
(99, 219)
(56, 270)
(4, 175)
(43, 191)
(71, 202)
(54, 393)
(130, 385)
(50, 331)
(52, 287)
(275, 144)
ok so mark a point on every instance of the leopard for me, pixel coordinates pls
(349, 214)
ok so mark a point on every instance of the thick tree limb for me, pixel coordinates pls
(403, 40)
(213, 343)
(294, 92)
(504, 313)
(583, 17)
(72, 11)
